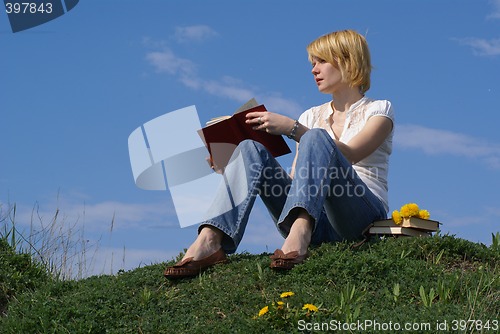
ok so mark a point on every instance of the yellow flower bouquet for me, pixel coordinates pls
(409, 210)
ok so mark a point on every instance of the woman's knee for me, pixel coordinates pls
(250, 145)
(252, 151)
(313, 136)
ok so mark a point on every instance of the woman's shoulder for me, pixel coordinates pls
(378, 103)
(314, 113)
(320, 107)
(379, 107)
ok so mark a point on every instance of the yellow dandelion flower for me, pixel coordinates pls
(280, 305)
(414, 209)
(310, 308)
(287, 294)
(263, 311)
(396, 216)
(409, 210)
(424, 214)
(404, 211)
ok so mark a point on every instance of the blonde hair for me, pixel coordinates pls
(348, 51)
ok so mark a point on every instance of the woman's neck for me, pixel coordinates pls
(343, 100)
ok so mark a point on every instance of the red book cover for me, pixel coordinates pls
(222, 137)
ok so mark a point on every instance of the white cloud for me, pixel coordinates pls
(106, 216)
(194, 33)
(261, 234)
(476, 226)
(228, 87)
(225, 89)
(436, 141)
(495, 14)
(482, 47)
(167, 61)
(110, 260)
(283, 106)
(70, 234)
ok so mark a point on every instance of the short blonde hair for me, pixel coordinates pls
(347, 49)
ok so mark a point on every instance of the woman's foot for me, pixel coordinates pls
(209, 241)
(202, 254)
(299, 237)
(190, 268)
(282, 261)
(294, 249)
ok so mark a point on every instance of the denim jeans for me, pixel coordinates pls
(324, 184)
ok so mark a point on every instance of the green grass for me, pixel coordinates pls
(415, 280)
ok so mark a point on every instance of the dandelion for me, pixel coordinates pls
(263, 311)
(280, 305)
(414, 209)
(310, 308)
(405, 211)
(287, 294)
(409, 210)
(396, 216)
(424, 214)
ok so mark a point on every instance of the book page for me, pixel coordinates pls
(216, 120)
(248, 105)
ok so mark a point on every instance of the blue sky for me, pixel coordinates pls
(72, 91)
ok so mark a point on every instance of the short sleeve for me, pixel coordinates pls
(305, 118)
(381, 108)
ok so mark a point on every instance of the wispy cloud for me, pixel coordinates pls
(95, 217)
(109, 260)
(164, 60)
(477, 226)
(495, 14)
(445, 142)
(480, 46)
(194, 33)
(261, 233)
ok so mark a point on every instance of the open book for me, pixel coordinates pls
(221, 135)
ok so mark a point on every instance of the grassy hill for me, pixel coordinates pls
(382, 285)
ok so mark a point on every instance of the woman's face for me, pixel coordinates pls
(328, 77)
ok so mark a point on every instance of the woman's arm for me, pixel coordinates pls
(373, 134)
(275, 124)
(278, 125)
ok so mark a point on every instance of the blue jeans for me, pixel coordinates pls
(324, 184)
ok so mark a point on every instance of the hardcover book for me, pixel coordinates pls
(221, 135)
(411, 222)
(398, 230)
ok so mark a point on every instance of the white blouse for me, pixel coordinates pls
(373, 169)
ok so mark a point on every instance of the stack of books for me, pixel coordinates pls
(412, 226)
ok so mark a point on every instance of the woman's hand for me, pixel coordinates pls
(272, 123)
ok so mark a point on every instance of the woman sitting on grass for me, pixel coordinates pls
(338, 182)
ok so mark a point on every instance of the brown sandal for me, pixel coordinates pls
(190, 268)
(282, 261)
